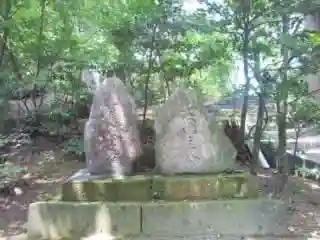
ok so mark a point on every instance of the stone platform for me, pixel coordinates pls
(155, 187)
(189, 207)
(219, 219)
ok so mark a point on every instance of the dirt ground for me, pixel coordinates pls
(47, 170)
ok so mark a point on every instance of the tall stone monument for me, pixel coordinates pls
(188, 141)
(111, 135)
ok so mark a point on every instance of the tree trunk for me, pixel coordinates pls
(260, 113)
(245, 55)
(5, 35)
(150, 64)
(257, 136)
(297, 134)
(282, 108)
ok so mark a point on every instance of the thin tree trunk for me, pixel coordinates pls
(282, 108)
(43, 6)
(297, 131)
(5, 35)
(35, 86)
(245, 56)
(246, 89)
(260, 113)
(3, 45)
(150, 63)
(257, 135)
(168, 87)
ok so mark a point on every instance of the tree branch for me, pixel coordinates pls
(43, 5)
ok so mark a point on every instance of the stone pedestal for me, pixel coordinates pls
(192, 207)
(184, 204)
(220, 219)
(156, 187)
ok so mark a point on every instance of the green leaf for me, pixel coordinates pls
(315, 38)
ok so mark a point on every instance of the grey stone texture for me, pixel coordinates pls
(188, 141)
(227, 220)
(111, 135)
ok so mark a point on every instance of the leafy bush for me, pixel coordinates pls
(74, 147)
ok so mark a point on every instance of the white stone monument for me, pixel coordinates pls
(188, 141)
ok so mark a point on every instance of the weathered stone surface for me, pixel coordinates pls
(111, 135)
(134, 188)
(208, 236)
(171, 188)
(188, 141)
(208, 187)
(59, 220)
(227, 220)
(220, 217)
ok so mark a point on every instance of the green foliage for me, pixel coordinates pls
(153, 46)
(74, 146)
(304, 112)
(315, 38)
(49, 43)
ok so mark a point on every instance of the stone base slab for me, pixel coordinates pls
(201, 237)
(169, 188)
(218, 219)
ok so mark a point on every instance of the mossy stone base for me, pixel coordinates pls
(161, 220)
(134, 188)
(169, 188)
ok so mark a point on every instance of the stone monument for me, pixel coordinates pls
(111, 135)
(171, 205)
(188, 141)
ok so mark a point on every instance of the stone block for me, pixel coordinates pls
(93, 190)
(66, 220)
(204, 187)
(220, 217)
(163, 220)
(171, 188)
(203, 237)
(134, 188)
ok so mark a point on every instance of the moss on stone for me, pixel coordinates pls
(135, 188)
(204, 187)
(170, 188)
(74, 220)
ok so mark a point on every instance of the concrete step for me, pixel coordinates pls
(217, 219)
(171, 188)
